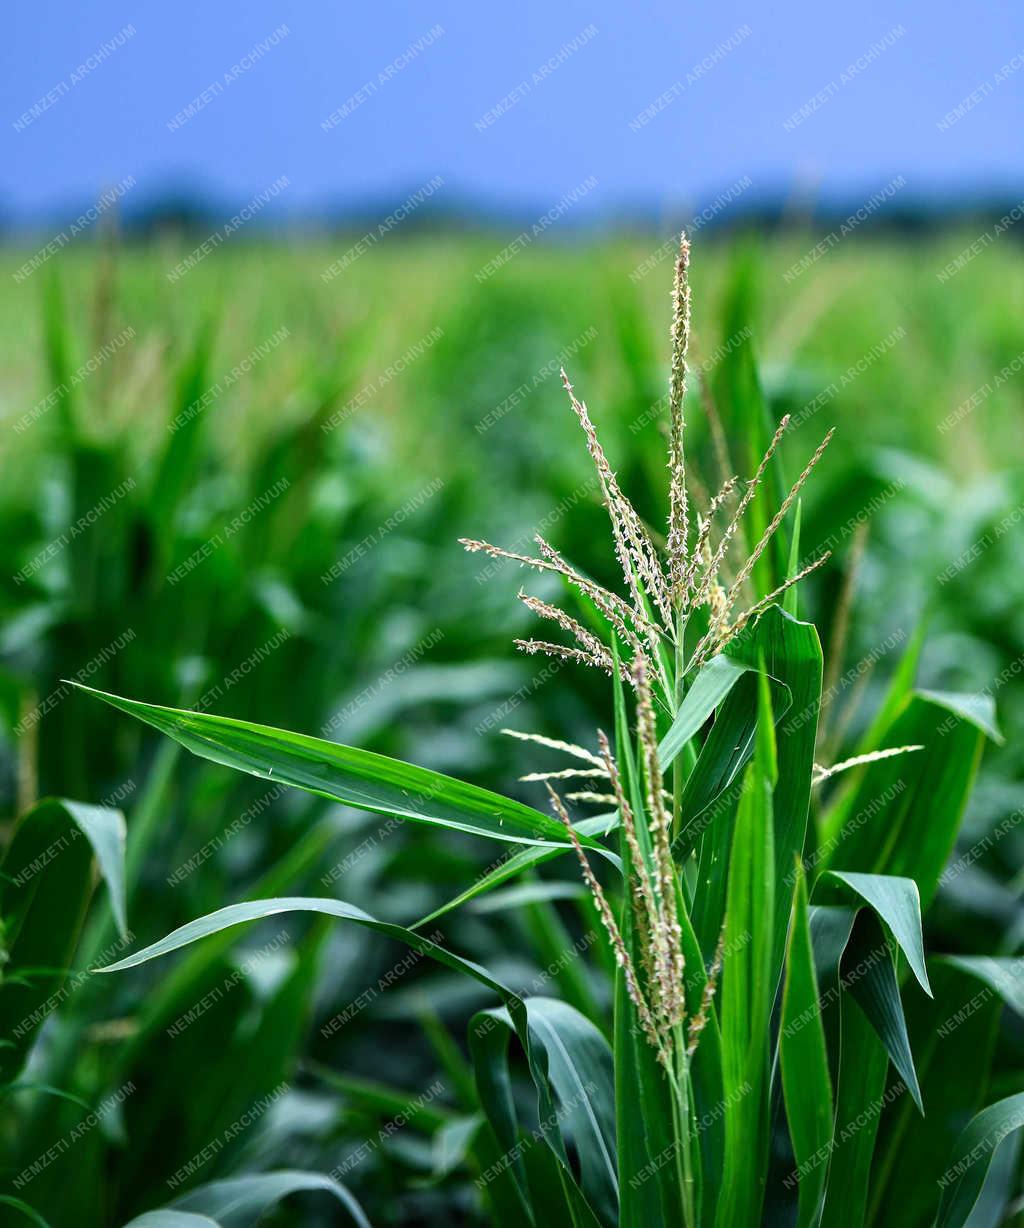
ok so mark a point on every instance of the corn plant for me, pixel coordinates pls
(783, 1048)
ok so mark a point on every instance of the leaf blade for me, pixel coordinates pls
(358, 778)
(807, 1087)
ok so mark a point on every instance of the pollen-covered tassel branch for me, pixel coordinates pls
(678, 520)
(701, 550)
(776, 593)
(700, 1019)
(614, 933)
(565, 774)
(561, 653)
(667, 937)
(714, 566)
(633, 546)
(569, 748)
(618, 612)
(779, 516)
(586, 639)
(644, 898)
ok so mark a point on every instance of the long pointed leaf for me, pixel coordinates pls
(805, 1076)
(748, 985)
(969, 1164)
(898, 904)
(46, 882)
(872, 982)
(571, 1065)
(172, 1219)
(358, 778)
(712, 684)
(519, 862)
(240, 1201)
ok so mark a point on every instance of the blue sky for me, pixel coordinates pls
(657, 105)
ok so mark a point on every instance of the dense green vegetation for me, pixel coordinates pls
(248, 504)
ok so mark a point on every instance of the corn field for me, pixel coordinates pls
(518, 749)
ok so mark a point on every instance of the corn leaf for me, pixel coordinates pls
(30, 1213)
(953, 1037)
(345, 774)
(519, 862)
(46, 882)
(791, 599)
(171, 1219)
(1004, 976)
(256, 910)
(972, 1155)
(805, 1075)
(712, 684)
(647, 1146)
(860, 1101)
(571, 1065)
(871, 980)
(239, 1201)
(534, 1040)
(791, 656)
(747, 985)
(900, 816)
(898, 905)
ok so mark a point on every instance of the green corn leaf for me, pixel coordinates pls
(239, 1201)
(790, 599)
(807, 1087)
(1001, 1185)
(519, 862)
(190, 977)
(706, 1081)
(647, 1152)
(571, 1065)
(517, 1014)
(579, 1066)
(488, 1047)
(791, 653)
(345, 774)
(830, 929)
(900, 816)
(453, 1143)
(953, 1038)
(748, 985)
(1004, 976)
(897, 695)
(42, 834)
(860, 1101)
(710, 687)
(30, 1213)
(898, 905)
(979, 710)
(256, 910)
(971, 1157)
(646, 1147)
(870, 976)
(791, 656)
(851, 948)
(172, 1219)
(528, 893)
(712, 788)
(46, 881)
